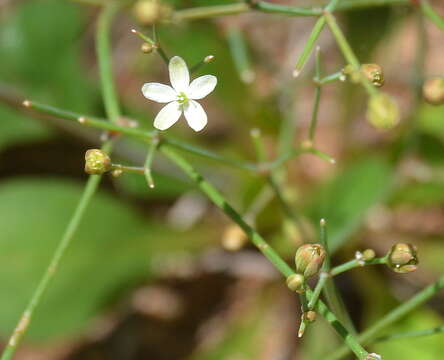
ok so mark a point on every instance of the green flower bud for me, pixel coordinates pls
(234, 238)
(296, 282)
(373, 72)
(146, 48)
(368, 254)
(382, 111)
(149, 12)
(309, 316)
(402, 258)
(97, 162)
(433, 91)
(309, 259)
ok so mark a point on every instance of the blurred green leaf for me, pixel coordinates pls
(430, 120)
(40, 48)
(420, 194)
(17, 128)
(345, 201)
(112, 248)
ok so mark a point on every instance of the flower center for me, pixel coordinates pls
(182, 98)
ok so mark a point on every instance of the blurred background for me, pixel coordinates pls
(151, 273)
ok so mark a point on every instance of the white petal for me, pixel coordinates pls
(159, 92)
(168, 116)
(195, 115)
(202, 86)
(179, 75)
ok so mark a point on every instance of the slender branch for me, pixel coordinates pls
(218, 199)
(356, 263)
(396, 314)
(149, 161)
(314, 116)
(103, 50)
(347, 51)
(239, 53)
(434, 17)
(113, 111)
(309, 45)
(332, 77)
(155, 44)
(206, 60)
(204, 12)
(410, 334)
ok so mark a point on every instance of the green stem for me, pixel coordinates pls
(137, 133)
(113, 112)
(206, 60)
(410, 334)
(331, 78)
(204, 12)
(103, 50)
(149, 161)
(396, 314)
(309, 45)
(428, 11)
(315, 112)
(356, 263)
(129, 169)
(239, 53)
(347, 51)
(218, 199)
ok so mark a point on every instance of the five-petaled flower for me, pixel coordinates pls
(181, 96)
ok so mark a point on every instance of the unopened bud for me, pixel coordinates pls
(234, 238)
(373, 72)
(382, 111)
(296, 282)
(149, 12)
(368, 254)
(433, 91)
(402, 258)
(309, 316)
(373, 356)
(116, 173)
(146, 48)
(97, 162)
(309, 259)
(208, 59)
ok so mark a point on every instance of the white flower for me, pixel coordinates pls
(180, 96)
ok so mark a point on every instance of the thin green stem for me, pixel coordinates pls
(155, 43)
(137, 133)
(356, 263)
(315, 112)
(410, 334)
(332, 77)
(239, 53)
(129, 169)
(434, 17)
(103, 50)
(113, 112)
(206, 60)
(314, 35)
(218, 199)
(347, 51)
(396, 314)
(204, 12)
(318, 289)
(149, 161)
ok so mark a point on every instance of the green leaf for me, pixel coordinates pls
(112, 248)
(345, 201)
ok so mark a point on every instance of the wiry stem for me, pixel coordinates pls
(410, 334)
(218, 199)
(428, 11)
(113, 111)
